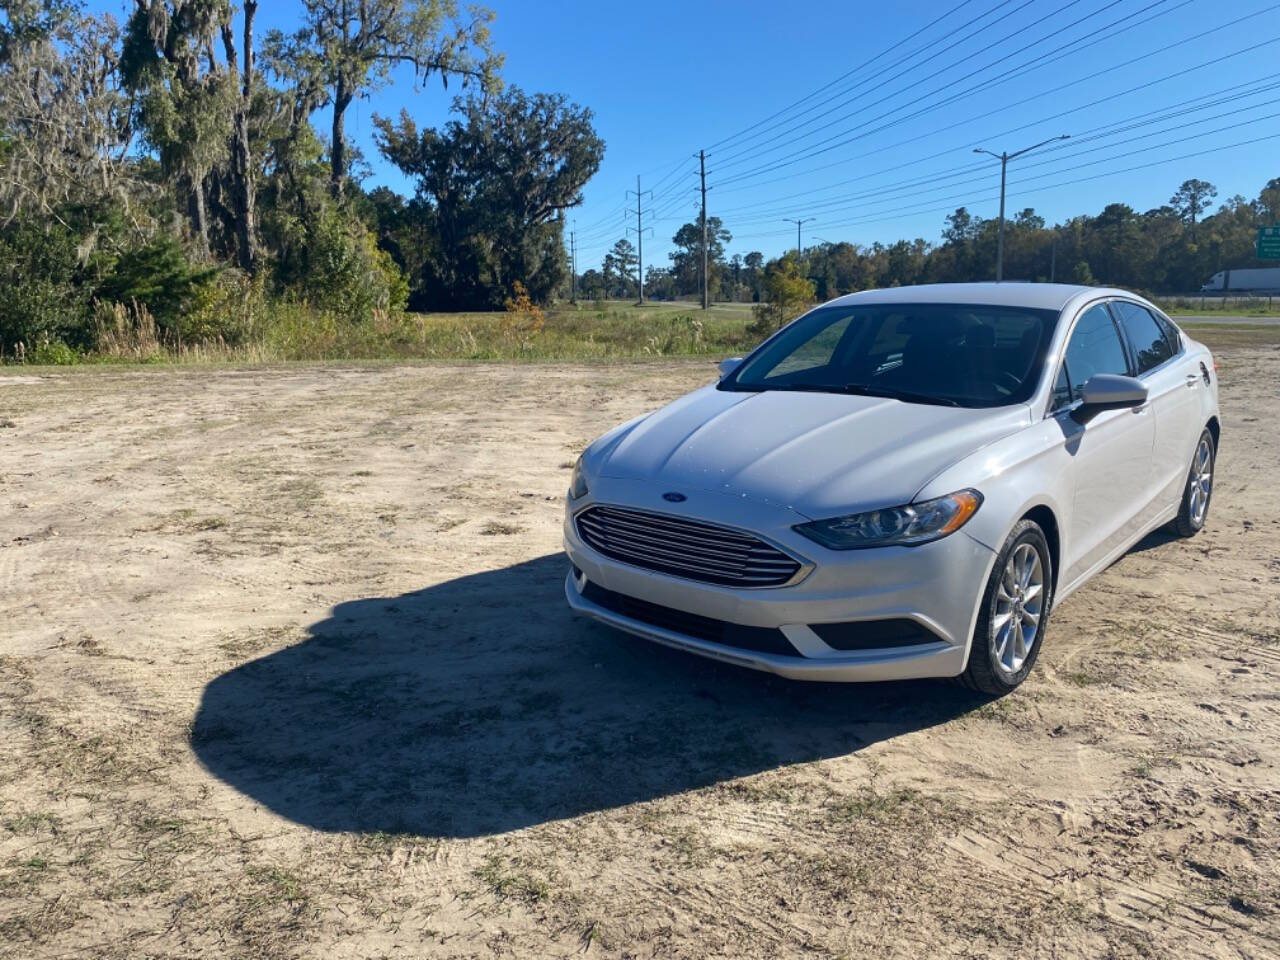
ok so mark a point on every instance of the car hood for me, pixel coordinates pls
(820, 454)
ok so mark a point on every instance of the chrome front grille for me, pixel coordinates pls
(685, 548)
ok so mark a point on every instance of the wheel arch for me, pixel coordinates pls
(1215, 428)
(1044, 517)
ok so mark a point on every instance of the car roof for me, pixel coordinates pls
(1037, 296)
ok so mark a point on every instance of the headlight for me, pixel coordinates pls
(897, 526)
(577, 483)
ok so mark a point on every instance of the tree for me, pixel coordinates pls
(593, 285)
(732, 285)
(959, 258)
(686, 259)
(1117, 249)
(242, 180)
(961, 228)
(492, 186)
(353, 45)
(64, 118)
(754, 264)
(1028, 219)
(619, 269)
(1192, 199)
(658, 283)
(183, 96)
(1269, 201)
(787, 291)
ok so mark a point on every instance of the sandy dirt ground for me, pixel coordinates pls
(286, 670)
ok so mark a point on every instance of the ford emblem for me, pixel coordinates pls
(672, 497)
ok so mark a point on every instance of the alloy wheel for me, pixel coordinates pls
(1201, 481)
(1019, 606)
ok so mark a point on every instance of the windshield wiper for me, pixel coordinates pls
(792, 387)
(907, 396)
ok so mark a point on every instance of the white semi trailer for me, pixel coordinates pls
(1253, 280)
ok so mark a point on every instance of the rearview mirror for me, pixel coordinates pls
(728, 366)
(1110, 391)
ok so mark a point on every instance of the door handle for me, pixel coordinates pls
(1192, 379)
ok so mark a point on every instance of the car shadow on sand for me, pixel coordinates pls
(480, 705)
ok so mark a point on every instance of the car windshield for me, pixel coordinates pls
(953, 354)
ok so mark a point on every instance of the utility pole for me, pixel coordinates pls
(639, 239)
(1004, 159)
(702, 165)
(798, 223)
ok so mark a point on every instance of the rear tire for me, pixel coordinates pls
(1015, 611)
(1198, 490)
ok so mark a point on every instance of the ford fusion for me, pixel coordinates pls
(900, 483)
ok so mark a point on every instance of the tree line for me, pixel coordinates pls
(1173, 248)
(174, 168)
(174, 163)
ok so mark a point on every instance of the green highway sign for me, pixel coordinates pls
(1269, 243)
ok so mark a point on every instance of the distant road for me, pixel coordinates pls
(1231, 321)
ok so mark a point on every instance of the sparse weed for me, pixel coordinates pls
(513, 881)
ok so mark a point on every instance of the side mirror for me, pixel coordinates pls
(728, 366)
(1110, 391)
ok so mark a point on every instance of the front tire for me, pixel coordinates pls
(1198, 491)
(1015, 610)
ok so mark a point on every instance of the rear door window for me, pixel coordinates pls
(1150, 345)
(1170, 333)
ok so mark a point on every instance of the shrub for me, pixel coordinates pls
(343, 270)
(229, 310)
(52, 353)
(40, 299)
(788, 291)
(125, 332)
(683, 334)
(158, 276)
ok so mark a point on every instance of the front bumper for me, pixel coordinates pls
(939, 585)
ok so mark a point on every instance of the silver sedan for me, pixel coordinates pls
(900, 483)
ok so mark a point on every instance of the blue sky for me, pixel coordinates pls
(864, 116)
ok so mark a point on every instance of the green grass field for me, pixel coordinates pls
(1220, 307)
(585, 332)
(599, 332)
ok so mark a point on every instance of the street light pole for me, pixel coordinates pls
(1004, 159)
(799, 223)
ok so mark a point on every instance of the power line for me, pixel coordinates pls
(1061, 170)
(673, 190)
(982, 116)
(816, 150)
(670, 173)
(934, 180)
(915, 210)
(737, 158)
(865, 64)
(844, 76)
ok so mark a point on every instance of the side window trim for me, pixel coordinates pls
(1171, 333)
(1131, 355)
(1050, 410)
(1072, 399)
